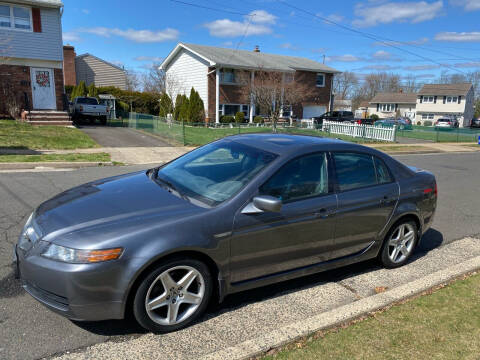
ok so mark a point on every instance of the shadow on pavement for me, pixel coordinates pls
(430, 241)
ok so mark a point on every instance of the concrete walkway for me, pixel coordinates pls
(251, 328)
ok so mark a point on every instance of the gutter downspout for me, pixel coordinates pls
(252, 104)
(217, 95)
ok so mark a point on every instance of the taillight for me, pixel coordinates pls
(435, 191)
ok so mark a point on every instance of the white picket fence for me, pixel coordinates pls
(361, 131)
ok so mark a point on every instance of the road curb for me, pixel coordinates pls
(341, 315)
(51, 165)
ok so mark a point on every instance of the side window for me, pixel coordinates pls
(383, 175)
(300, 178)
(354, 170)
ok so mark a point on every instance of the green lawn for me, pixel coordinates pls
(442, 135)
(14, 134)
(400, 148)
(96, 157)
(441, 325)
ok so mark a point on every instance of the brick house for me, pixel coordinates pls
(31, 55)
(216, 72)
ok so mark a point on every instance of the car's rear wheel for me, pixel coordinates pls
(173, 295)
(399, 244)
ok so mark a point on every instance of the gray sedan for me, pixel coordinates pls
(239, 213)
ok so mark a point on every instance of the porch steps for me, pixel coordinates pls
(49, 117)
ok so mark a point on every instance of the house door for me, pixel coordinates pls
(43, 88)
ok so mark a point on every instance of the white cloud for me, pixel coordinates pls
(335, 18)
(385, 13)
(70, 36)
(344, 58)
(378, 67)
(421, 67)
(474, 64)
(419, 41)
(117, 62)
(382, 55)
(258, 22)
(85, 11)
(261, 17)
(148, 58)
(140, 36)
(458, 36)
(289, 46)
(468, 5)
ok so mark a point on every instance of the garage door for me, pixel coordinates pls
(313, 110)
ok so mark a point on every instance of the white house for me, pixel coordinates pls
(214, 73)
(435, 101)
(387, 105)
(31, 54)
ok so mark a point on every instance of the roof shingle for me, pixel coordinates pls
(255, 60)
(395, 98)
(445, 89)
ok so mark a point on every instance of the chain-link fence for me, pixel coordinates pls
(193, 134)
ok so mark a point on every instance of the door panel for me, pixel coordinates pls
(43, 88)
(268, 243)
(361, 215)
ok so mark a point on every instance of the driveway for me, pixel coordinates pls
(29, 331)
(108, 136)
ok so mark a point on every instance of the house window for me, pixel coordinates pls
(428, 99)
(452, 99)
(428, 116)
(15, 17)
(320, 80)
(387, 107)
(227, 76)
(286, 111)
(288, 78)
(232, 109)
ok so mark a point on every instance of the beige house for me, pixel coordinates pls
(435, 101)
(387, 105)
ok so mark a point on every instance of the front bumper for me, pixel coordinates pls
(88, 292)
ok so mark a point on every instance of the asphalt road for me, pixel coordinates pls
(29, 331)
(108, 136)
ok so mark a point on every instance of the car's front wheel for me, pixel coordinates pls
(173, 295)
(399, 244)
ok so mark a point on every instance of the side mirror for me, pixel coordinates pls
(263, 203)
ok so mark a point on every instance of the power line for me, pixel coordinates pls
(364, 34)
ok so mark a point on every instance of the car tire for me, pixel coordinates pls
(171, 305)
(399, 244)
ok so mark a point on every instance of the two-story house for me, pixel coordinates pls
(216, 72)
(386, 105)
(435, 101)
(31, 55)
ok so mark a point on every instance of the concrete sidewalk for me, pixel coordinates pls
(245, 327)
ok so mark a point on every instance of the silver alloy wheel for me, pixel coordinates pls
(401, 242)
(175, 295)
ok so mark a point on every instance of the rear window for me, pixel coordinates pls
(354, 170)
(87, 101)
(443, 120)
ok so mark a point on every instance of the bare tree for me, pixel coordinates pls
(174, 86)
(154, 79)
(133, 80)
(410, 84)
(272, 91)
(9, 98)
(344, 84)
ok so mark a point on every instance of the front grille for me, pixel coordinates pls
(47, 297)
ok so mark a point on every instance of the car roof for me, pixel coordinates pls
(284, 144)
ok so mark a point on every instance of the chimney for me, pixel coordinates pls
(257, 49)
(69, 74)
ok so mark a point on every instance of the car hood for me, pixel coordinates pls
(111, 200)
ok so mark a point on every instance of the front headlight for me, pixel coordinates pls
(28, 236)
(78, 256)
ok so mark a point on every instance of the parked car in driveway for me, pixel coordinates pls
(88, 108)
(448, 123)
(402, 123)
(334, 116)
(362, 121)
(475, 123)
(241, 212)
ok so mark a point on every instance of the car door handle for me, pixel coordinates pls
(386, 199)
(324, 213)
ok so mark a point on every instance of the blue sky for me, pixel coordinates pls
(136, 34)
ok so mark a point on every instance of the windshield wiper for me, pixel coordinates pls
(170, 185)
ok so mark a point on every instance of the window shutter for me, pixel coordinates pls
(459, 99)
(421, 99)
(378, 107)
(37, 20)
(444, 99)
(434, 99)
(396, 107)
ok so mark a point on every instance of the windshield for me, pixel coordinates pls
(215, 172)
(87, 101)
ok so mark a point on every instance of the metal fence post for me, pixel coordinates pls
(183, 132)
(436, 134)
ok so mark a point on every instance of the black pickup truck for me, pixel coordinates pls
(334, 116)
